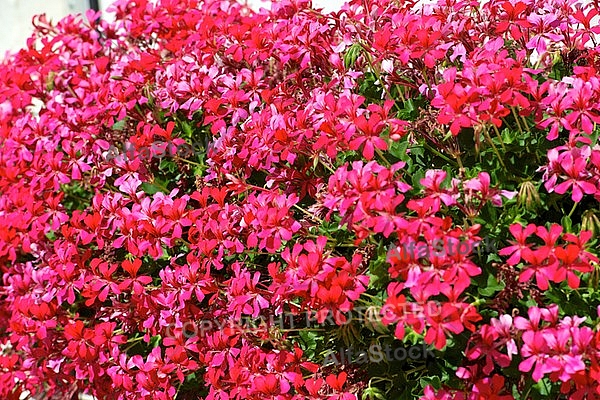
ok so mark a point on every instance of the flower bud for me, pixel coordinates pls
(373, 320)
(348, 334)
(529, 196)
(590, 222)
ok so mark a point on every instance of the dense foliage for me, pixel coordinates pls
(202, 201)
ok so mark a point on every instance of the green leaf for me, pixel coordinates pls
(544, 387)
(373, 393)
(155, 340)
(567, 223)
(378, 272)
(492, 287)
(416, 178)
(150, 189)
(168, 166)
(352, 55)
(398, 150)
(187, 129)
(119, 125)
(309, 342)
(508, 137)
(433, 381)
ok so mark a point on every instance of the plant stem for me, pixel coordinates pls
(572, 210)
(400, 93)
(309, 214)
(378, 75)
(516, 116)
(437, 153)
(380, 154)
(155, 183)
(189, 162)
(326, 166)
(499, 137)
(410, 371)
(302, 330)
(489, 139)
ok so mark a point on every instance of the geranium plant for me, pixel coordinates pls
(388, 178)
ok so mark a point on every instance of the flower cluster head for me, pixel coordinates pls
(333, 145)
(561, 350)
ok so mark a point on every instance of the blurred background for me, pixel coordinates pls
(16, 15)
